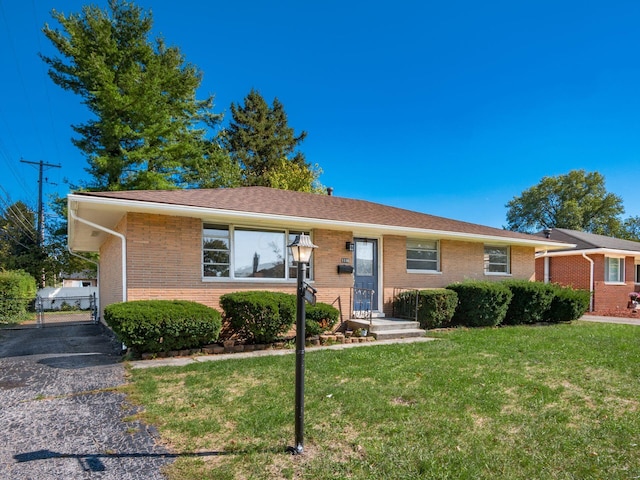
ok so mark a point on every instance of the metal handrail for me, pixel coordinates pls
(405, 303)
(362, 304)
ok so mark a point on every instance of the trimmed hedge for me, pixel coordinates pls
(259, 316)
(17, 292)
(481, 303)
(436, 307)
(151, 326)
(530, 302)
(568, 304)
(320, 318)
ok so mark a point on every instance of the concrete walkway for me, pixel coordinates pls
(180, 361)
(620, 320)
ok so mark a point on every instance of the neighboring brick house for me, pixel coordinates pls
(200, 244)
(608, 267)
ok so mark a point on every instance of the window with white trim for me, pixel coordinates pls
(423, 255)
(497, 259)
(247, 253)
(614, 270)
(216, 250)
(637, 280)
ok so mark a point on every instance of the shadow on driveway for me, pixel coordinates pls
(59, 393)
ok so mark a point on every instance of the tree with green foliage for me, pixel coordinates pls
(261, 142)
(148, 130)
(631, 229)
(19, 249)
(576, 201)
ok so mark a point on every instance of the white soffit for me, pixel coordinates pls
(108, 211)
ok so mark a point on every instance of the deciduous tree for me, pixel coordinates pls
(577, 201)
(19, 249)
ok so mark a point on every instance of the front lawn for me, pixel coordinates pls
(549, 402)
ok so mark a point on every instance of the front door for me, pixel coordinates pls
(366, 266)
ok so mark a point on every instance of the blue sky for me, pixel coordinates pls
(449, 108)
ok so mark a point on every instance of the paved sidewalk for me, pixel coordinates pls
(180, 361)
(620, 320)
(60, 417)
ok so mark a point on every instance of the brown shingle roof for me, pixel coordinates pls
(590, 241)
(268, 201)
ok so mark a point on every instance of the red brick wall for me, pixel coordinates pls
(574, 271)
(458, 261)
(165, 262)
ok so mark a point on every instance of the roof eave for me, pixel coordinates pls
(306, 222)
(592, 251)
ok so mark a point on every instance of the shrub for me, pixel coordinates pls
(151, 326)
(320, 318)
(435, 306)
(480, 304)
(568, 304)
(17, 292)
(259, 316)
(530, 302)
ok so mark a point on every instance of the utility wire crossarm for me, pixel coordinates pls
(42, 166)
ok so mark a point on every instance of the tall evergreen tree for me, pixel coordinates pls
(149, 128)
(261, 142)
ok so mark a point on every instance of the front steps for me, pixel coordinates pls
(387, 328)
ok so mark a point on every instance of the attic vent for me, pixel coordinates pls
(547, 232)
(330, 191)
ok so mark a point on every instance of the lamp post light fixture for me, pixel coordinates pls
(301, 250)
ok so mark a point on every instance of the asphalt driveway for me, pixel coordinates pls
(59, 417)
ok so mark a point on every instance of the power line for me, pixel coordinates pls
(42, 166)
(21, 222)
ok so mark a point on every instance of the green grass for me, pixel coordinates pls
(553, 402)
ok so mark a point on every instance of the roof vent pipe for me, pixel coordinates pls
(547, 232)
(330, 191)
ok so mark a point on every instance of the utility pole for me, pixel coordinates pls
(40, 240)
(42, 166)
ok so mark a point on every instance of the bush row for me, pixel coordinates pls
(261, 317)
(152, 326)
(482, 303)
(17, 292)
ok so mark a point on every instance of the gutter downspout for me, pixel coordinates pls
(124, 248)
(584, 255)
(546, 269)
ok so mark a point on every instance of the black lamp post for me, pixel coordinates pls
(301, 249)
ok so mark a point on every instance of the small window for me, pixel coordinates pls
(637, 273)
(215, 250)
(614, 270)
(364, 259)
(496, 260)
(422, 255)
